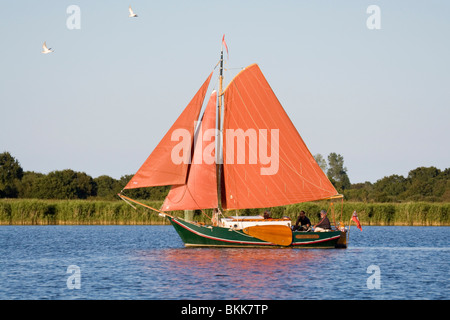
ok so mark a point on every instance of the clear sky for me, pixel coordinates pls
(102, 101)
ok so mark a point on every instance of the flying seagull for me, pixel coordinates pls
(46, 50)
(132, 14)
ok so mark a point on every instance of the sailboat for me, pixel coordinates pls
(243, 152)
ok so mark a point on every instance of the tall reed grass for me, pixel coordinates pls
(93, 212)
(381, 214)
(76, 212)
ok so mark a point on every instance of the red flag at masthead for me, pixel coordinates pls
(224, 44)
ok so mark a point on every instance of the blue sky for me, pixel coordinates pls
(102, 101)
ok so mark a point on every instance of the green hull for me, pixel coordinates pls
(197, 235)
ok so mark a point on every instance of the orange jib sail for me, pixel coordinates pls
(159, 169)
(266, 162)
(200, 190)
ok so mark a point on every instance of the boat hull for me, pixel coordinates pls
(196, 235)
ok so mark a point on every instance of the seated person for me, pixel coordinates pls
(266, 214)
(303, 223)
(324, 224)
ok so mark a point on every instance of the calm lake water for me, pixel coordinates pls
(151, 262)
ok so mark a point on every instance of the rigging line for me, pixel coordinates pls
(221, 213)
(331, 209)
(240, 68)
(126, 201)
(204, 213)
(216, 65)
(144, 205)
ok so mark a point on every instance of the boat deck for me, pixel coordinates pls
(241, 222)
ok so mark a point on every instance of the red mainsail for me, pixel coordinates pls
(200, 190)
(266, 162)
(159, 169)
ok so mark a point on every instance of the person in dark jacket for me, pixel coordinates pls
(324, 224)
(303, 223)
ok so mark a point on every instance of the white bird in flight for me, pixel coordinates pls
(46, 50)
(132, 14)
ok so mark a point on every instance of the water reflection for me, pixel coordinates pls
(234, 273)
(244, 258)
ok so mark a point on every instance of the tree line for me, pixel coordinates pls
(65, 184)
(421, 184)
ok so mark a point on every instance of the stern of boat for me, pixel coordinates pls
(342, 241)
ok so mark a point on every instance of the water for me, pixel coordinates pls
(150, 262)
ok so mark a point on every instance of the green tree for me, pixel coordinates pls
(65, 184)
(337, 173)
(321, 162)
(107, 187)
(359, 192)
(445, 185)
(422, 184)
(28, 187)
(85, 186)
(389, 188)
(10, 175)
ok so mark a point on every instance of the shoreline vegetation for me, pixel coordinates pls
(68, 197)
(116, 212)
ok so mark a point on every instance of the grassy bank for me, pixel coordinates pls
(96, 212)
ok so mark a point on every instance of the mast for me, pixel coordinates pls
(219, 131)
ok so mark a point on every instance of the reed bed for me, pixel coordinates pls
(379, 214)
(98, 212)
(76, 212)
